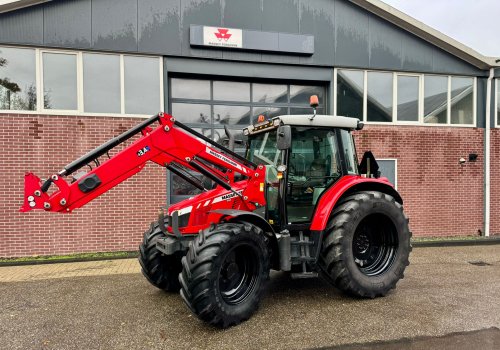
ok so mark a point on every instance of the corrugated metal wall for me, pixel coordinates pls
(345, 35)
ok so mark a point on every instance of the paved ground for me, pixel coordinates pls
(109, 305)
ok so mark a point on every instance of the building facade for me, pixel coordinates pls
(75, 73)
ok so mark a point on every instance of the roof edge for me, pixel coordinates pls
(428, 33)
(7, 6)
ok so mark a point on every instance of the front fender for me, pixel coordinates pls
(347, 184)
(247, 216)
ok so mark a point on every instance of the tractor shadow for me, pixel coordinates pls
(282, 286)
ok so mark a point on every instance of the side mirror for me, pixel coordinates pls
(284, 137)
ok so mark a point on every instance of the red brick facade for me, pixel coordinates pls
(43, 145)
(495, 182)
(441, 196)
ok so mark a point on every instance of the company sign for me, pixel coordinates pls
(250, 40)
(223, 37)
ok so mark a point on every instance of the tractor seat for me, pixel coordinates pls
(317, 168)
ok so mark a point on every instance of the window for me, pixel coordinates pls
(350, 92)
(497, 83)
(349, 152)
(231, 91)
(270, 93)
(210, 105)
(408, 92)
(190, 89)
(142, 81)
(17, 79)
(389, 168)
(231, 115)
(101, 83)
(75, 82)
(405, 98)
(379, 99)
(60, 81)
(435, 99)
(313, 167)
(462, 105)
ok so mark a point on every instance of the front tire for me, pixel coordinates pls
(224, 273)
(160, 270)
(366, 245)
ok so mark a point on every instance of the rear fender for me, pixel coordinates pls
(344, 187)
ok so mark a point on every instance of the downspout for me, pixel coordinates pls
(487, 156)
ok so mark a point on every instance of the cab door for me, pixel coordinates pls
(313, 166)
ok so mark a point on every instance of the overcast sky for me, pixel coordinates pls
(475, 23)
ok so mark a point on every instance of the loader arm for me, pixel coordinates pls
(170, 144)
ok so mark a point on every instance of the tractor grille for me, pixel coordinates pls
(183, 220)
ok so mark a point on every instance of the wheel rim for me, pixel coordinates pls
(375, 244)
(239, 273)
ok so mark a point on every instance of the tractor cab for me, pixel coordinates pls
(303, 156)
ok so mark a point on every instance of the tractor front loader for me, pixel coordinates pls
(297, 202)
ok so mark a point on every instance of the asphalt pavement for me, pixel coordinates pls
(449, 298)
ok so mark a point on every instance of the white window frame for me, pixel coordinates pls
(80, 98)
(421, 89)
(419, 98)
(40, 92)
(496, 114)
(395, 170)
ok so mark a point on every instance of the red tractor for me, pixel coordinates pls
(297, 201)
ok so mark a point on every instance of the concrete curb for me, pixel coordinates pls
(457, 242)
(129, 255)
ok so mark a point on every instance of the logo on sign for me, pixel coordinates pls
(222, 34)
(222, 37)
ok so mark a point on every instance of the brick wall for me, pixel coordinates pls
(441, 197)
(495, 182)
(43, 145)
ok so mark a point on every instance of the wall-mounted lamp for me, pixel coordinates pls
(472, 157)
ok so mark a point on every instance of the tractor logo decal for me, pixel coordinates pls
(223, 37)
(143, 151)
(225, 159)
(222, 34)
(227, 196)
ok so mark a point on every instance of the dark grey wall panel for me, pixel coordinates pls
(243, 14)
(247, 70)
(445, 63)
(344, 34)
(252, 19)
(204, 12)
(317, 18)
(114, 25)
(280, 16)
(417, 56)
(385, 45)
(351, 35)
(159, 27)
(68, 23)
(24, 26)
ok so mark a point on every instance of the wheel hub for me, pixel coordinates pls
(374, 244)
(238, 274)
(362, 243)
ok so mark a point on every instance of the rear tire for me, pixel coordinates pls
(366, 245)
(224, 273)
(160, 270)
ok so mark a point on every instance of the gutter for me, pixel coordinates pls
(487, 156)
